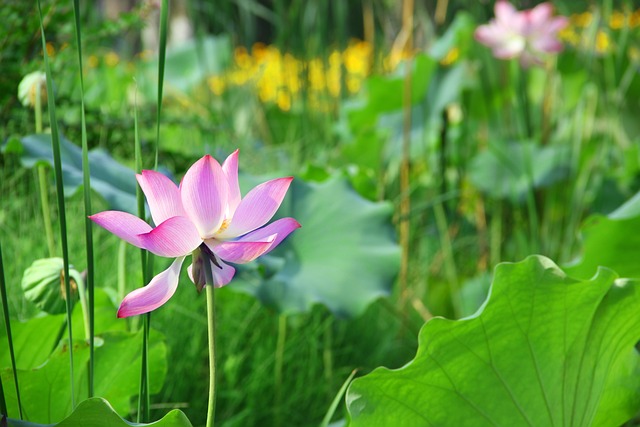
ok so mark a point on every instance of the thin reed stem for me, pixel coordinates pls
(55, 145)
(7, 326)
(88, 225)
(164, 12)
(450, 269)
(279, 364)
(144, 400)
(405, 199)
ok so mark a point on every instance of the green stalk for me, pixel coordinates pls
(46, 211)
(279, 363)
(55, 143)
(3, 403)
(211, 329)
(164, 11)
(532, 207)
(144, 398)
(336, 400)
(122, 270)
(88, 226)
(82, 294)
(7, 325)
(42, 180)
(495, 236)
(405, 199)
(525, 104)
(143, 394)
(450, 268)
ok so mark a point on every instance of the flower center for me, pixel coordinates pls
(224, 225)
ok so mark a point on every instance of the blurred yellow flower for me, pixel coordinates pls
(216, 85)
(450, 57)
(93, 61)
(581, 20)
(280, 78)
(603, 42)
(111, 59)
(51, 51)
(617, 20)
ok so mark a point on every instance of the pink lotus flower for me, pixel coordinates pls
(528, 34)
(205, 217)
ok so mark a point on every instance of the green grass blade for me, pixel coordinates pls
(162, 50)
(336, 400)
(7, 325)
(144, 401)
(86, 182)
(55, 143)
(3, 404)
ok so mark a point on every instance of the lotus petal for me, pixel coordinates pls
(163, 196)
(124, 225)
(280, 228)
(204, 191)
(257, 207)
(157, 292)
(222, 274)
(230, 168)
(240, 252)
(175, 237)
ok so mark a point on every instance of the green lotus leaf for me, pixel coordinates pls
(512, 170)
(344, 256)
(607, 242)
(97, 412)
(114, 182)
(45, 392)
(544, 350)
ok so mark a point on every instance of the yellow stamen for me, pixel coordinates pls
(224, 225)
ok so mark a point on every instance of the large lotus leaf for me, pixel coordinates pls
(608, 242)
(45, 391)
(33, 341)
(344, 256)
(96, 412)
(114, 182)
(187, 65)
(544, 350)
(511, 170)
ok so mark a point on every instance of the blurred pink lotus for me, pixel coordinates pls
(526, 35)
(205, 217)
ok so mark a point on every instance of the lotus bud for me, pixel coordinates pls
(29, 86)
(43, 284)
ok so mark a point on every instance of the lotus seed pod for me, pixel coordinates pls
(43, 284)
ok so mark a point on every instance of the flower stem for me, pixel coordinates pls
(42, 180)
(211, 326)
